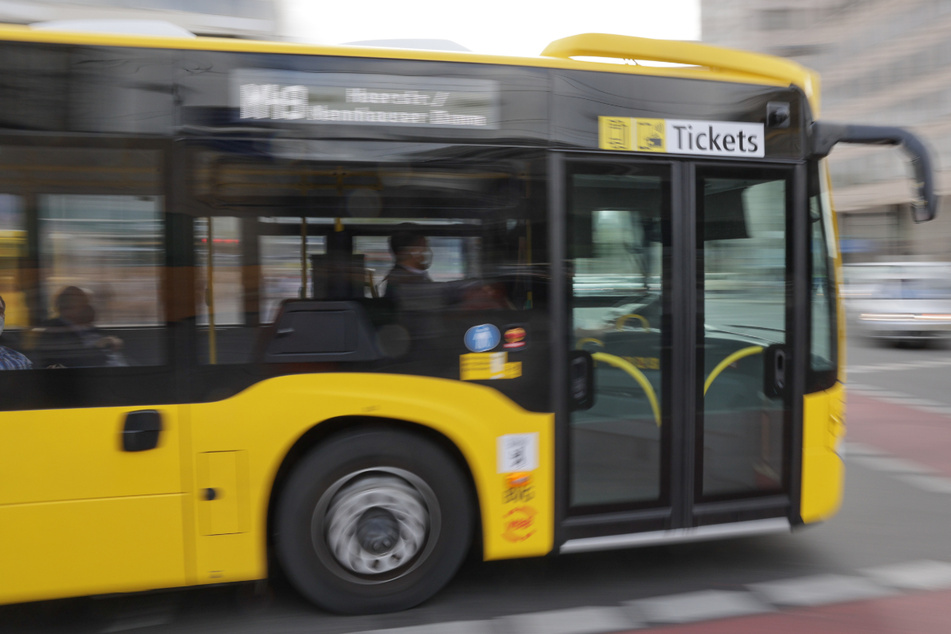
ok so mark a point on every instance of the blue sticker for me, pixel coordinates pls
(482, 338)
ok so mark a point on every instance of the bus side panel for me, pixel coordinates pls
(82, 547)
(76, 454)
(261, 424)
(78, 515)
(823, 471)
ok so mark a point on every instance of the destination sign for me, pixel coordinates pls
(678, 136)
(358, 99)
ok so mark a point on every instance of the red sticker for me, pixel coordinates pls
(519, 524)
(514, 338)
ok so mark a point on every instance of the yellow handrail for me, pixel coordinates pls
(736, 356)
(637, 375)
(581, 342)
(619, 324)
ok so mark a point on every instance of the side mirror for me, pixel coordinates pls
(826, 135)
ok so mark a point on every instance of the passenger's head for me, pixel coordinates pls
(73, 305)
(410, 248)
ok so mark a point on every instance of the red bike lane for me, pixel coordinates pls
(901, 431)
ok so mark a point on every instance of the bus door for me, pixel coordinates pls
(90, 470)
(679, 280)
(619, 253)
(745, 271)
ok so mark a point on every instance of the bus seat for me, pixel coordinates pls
(314, 331)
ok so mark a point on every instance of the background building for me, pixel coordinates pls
(220, 18)
(882, 62)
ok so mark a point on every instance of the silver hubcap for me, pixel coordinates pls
(377, 522)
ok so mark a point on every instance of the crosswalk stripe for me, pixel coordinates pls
(915, 575)
(890, 464)
(820, 590)
(927, 482)
(591, 620)
(911, 473)
(898, 365)
(899, 398)
(698, 606)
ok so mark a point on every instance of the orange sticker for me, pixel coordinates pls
(519, 523)
(518, 479)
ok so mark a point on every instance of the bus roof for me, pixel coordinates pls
(590, 51)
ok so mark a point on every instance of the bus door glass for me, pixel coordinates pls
(617, 229)
(743, 352)
(729, 436)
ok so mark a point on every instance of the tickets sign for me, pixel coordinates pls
(680, 136)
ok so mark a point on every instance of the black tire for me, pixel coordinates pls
(373, 520)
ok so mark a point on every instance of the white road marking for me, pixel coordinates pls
(915, 575)
(698, 606)
(898, 365)
(819, 590)
(858, 449)
(898, 398)
(589, 620)
(911, 473)
(930, 483)
(891, 464)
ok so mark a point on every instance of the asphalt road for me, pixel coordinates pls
(894, 516)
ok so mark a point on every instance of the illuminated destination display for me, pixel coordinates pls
(356, 99)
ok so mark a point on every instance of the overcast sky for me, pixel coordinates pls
(503, 27)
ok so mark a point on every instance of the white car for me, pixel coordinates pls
(903, 302)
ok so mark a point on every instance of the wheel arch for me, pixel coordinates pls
(323, 431)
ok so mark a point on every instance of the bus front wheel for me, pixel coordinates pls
(373, 521)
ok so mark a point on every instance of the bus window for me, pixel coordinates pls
(12, 252)
(82, 232)
(100, 258)
(822, 327)
(281, 277)
(327, 236)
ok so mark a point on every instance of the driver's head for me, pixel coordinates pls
(411, 249)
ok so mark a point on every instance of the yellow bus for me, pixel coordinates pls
(352, 313)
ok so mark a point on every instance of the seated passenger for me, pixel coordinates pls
(11, 359)
(71, 340)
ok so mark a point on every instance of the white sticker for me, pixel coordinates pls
(518, 452)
